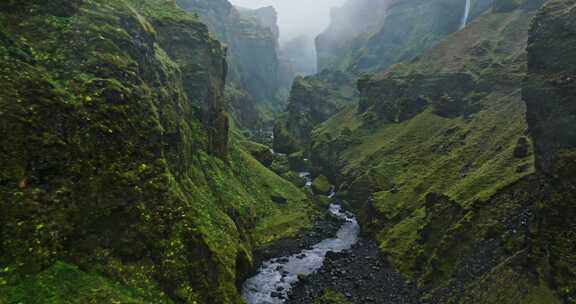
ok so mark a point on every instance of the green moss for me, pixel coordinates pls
(401, 244)
(105, 162)
(496, 287)
(294, 178)
(330, 296)
(274, 221)
(64, 283)
(321, 185)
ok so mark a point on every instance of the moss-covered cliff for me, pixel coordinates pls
(119, 181)
(550, 93)
(313, 99)
(348, 27)
(251, 37)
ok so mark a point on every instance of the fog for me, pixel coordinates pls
(297, 17)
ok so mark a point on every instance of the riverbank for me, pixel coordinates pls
(325, 226)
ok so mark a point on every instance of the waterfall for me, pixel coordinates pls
(466, 15)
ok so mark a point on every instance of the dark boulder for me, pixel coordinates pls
(279, 199)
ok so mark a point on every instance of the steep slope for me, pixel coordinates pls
(252, 40)
(119, 181)
(437, 159)
(367, 36)
(347, 24)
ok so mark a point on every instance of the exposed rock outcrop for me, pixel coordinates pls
(550, 94)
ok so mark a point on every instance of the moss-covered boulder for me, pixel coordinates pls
(294, 178)
(321, 185)
(260, 152)
(330, 296)
(280, 165)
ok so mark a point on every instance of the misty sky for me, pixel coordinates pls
(297, 17)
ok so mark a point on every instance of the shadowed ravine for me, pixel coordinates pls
(226, 152)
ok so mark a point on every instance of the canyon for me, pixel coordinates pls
(176, 151)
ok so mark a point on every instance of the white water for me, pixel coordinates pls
(278, 275)
(307, 177)
(332, 192)
(466, 14)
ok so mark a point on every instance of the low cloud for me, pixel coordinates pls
(297, 17)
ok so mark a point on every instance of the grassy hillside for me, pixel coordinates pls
(437, 158)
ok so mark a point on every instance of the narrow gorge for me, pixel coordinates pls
(235, 152)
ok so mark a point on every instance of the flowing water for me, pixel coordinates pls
(306, 176)
(466, 14)
(275, 277)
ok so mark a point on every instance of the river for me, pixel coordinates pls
(275, 278)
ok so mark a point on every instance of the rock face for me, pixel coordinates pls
(396, 99)
(549, 89)
(549, 92)
(313, 99)
(119, 181)
(252, 40)
(266, 16)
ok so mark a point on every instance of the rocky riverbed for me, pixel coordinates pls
(360, 274)
(276, 277)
